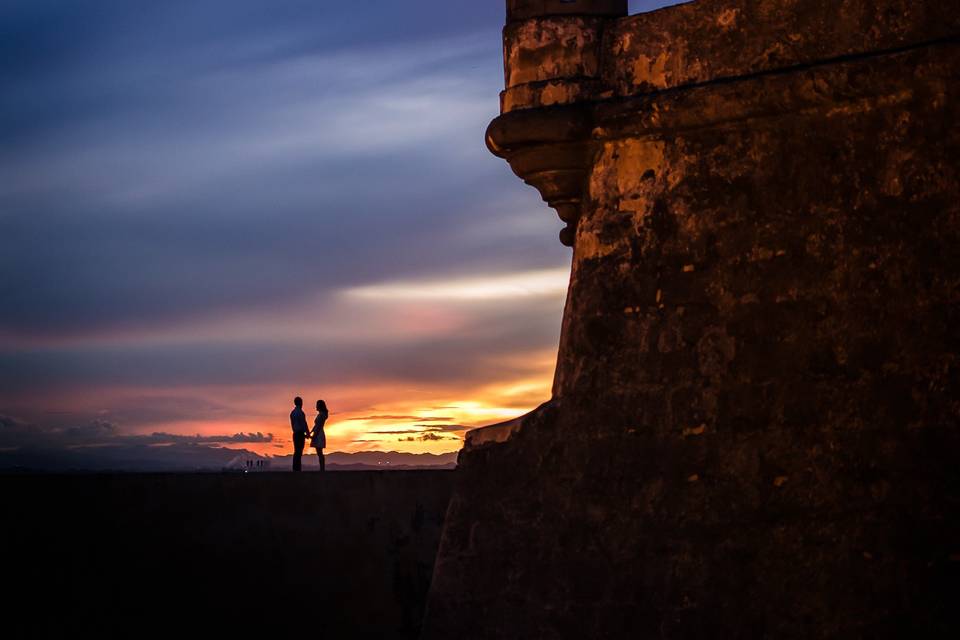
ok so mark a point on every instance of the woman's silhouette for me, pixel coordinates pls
(318, 438)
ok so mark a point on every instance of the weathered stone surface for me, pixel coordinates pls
(711, 39)
(755, 423)
(552, 57)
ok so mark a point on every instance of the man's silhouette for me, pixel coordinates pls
(298, 422)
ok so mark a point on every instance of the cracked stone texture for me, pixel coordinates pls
(755, 424)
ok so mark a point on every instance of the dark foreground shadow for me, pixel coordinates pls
(343, 555)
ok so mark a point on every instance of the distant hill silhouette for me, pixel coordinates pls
(371, 460)
(190, 458)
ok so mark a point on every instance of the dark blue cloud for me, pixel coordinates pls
(171, 164)
(167, 159)
(171, 159)
(480, 350)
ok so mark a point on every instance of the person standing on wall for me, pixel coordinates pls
(298, 422)
(318, 438)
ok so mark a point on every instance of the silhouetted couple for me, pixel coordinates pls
(318, 440)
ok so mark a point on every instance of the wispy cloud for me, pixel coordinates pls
(208, 207)
(15, 434)
(544, 282)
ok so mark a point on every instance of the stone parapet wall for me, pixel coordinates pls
(710, 40)
(557, 59)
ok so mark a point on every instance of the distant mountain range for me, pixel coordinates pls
(193, 458)
(368, 460)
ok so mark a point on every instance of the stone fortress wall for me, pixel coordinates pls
(755, 421)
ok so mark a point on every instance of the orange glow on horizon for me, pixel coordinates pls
(372, 409)
(422, 418)
(427, 422)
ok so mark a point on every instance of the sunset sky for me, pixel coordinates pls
(208, 207)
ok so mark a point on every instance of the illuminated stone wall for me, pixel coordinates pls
(754, 427)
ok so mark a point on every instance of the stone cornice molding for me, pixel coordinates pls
(551, 150)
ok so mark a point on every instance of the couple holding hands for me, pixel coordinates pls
(298, 421)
